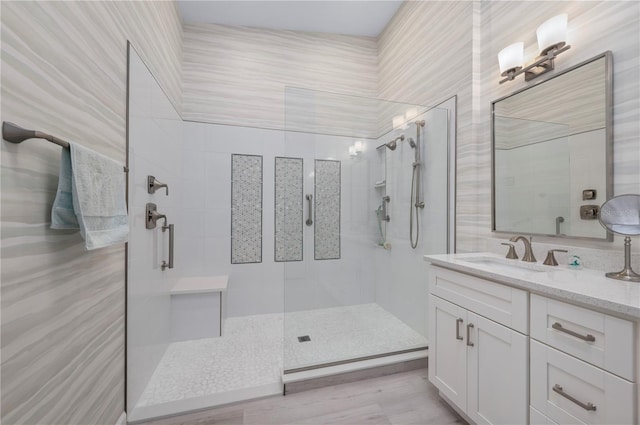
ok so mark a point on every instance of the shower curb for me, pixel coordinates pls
(354, 371)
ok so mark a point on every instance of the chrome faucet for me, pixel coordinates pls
(528, 252)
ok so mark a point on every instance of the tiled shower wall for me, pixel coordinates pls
(64, 70)
(401, 285)
(153, 123)
(257, 288)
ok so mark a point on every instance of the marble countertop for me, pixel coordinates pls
(585, 286)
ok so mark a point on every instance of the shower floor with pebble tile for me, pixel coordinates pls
(255, 349)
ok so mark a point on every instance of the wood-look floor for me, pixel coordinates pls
(399, 399)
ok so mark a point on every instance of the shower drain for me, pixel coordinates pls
(304, 338)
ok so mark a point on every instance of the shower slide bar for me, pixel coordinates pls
(15, 134)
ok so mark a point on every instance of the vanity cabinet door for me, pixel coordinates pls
(497, 372)
(448, 351)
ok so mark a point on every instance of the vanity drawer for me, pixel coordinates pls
(597, 338)
(500, 303)
(568, 390)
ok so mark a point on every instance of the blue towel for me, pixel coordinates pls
(91, 197)
(62, 214)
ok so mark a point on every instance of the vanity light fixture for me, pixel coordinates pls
(552, 36)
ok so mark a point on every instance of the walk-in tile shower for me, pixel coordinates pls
(309, 224)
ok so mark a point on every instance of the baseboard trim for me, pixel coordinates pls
(122, 420)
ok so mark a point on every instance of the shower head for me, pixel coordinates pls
(394, 143)
(412, 143)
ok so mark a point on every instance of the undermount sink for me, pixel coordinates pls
(505, 264)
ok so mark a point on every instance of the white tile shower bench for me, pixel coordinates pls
(198, 307)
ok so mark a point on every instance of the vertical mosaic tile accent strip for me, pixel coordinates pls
(246, 209)
(288, 209)
(327, 210)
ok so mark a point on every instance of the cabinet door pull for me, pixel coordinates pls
(586, 406)
(557, 326)
(469, 327)
(458, 336)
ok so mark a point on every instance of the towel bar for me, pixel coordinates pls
(15, 134)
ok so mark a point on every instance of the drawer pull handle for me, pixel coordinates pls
(588, 406)
(557, 326)
(458, 336)
(469, 327)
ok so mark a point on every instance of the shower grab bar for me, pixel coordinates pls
(15, 134)
(152, 217)
(164, 264)
(309, 221)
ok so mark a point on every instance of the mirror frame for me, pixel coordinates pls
(608, 56)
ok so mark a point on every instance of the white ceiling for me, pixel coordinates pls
(350, 17)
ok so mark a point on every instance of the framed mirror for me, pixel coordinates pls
(552, 154)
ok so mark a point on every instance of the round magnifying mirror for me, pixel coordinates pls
(621, 215)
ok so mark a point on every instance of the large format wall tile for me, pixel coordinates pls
(64, 71)
(238, 75)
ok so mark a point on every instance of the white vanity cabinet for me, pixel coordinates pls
(522, 347)
(477, 362)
